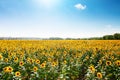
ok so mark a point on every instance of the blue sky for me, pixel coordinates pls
(59, 18)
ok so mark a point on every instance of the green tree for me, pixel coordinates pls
(108, 37)
(117, 36)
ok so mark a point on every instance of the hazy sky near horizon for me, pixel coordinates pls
(59, 18)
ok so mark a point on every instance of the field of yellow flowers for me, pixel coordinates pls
(59, 59)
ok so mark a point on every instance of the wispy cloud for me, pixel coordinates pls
(80, 6)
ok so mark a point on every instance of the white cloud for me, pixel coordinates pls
(80, 6)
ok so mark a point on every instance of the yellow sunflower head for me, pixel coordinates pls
(35, 68)
(6, 60)
(108, 63)
(16, 59)
(65, 61)
(92, 68)
(117, 62)
(17, 74)
(43, 65)
(1, 56)
(21, 63)
(37, 61)
(10, 68)
(5, 69)
(53, 64)
(99, 75)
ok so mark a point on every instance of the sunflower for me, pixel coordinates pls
(17, 74)
(1, 56)
(99, 75)
(35, 68)
(87, 57)
(31, 61)
(65, 61)
(37, 61)
(53, 64)
(16, 59)
(108, 63)
(21, 63)
(42, 65)
(49, 59)
(6, 60)
(5, 69)
(8, 69)
(117, 62)
(92, 68)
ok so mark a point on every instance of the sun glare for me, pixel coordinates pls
(47, 3)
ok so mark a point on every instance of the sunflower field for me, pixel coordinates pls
(59, 59)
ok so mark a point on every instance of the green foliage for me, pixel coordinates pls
(117, 36)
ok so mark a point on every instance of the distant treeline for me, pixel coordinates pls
(115, 36)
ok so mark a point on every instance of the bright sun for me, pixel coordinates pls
(47, 3)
